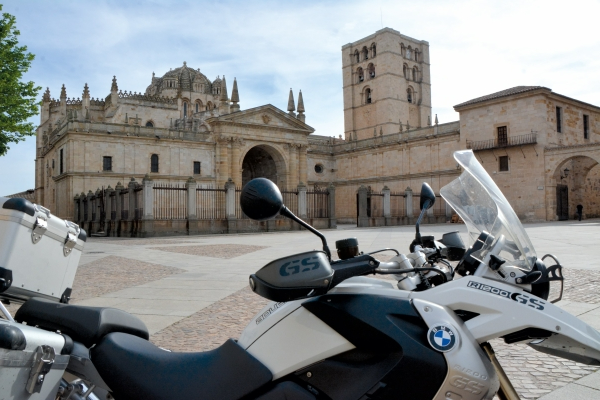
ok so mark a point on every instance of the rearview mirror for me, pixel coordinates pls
(261, 199)
(426, 194)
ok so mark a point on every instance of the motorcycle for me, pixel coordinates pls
(332, 332)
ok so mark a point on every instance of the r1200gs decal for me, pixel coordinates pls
(297, 266)
(270, 311)
(521, 298)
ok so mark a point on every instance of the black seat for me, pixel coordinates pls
(86, 325)
(136, 369)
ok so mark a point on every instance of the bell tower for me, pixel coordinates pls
(387, 85)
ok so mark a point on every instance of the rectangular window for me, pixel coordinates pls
(106, 163)
(61, 161)
(196, 167)
(586, 126)
(503, 163)
(502, 136)
(559, 119)
(154, 163)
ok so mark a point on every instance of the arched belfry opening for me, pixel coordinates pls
(263, 161)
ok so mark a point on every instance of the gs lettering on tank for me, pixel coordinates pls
(299, 265)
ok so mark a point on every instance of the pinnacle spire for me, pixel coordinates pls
(235, 96)
(86, 91)
(224, 90)
(63, 92)
(300, 103)
(291, 106)
(114, 87)
(436, 119)
(46, 97)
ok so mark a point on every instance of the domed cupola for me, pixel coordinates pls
(216, 86)
(182, 78)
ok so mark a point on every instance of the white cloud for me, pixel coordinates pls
(476, 48)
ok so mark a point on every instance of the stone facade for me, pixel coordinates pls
(182, 126)
(187, 126)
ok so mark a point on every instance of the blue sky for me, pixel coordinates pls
(476, 48)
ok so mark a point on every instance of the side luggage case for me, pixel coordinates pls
(31, 363)
(39, 252)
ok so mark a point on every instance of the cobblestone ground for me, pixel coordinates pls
(111, 274)
(213, 250)
(146, 242)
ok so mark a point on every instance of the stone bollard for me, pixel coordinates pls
(409, 203)
(230, 206)
(387, 205)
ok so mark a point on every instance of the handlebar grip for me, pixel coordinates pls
(389, 265)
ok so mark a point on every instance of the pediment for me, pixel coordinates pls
(267, 116)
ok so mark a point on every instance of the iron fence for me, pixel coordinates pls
(210, 203)
(374, 204)
(397, 204)
(169, 201)
(317, 202)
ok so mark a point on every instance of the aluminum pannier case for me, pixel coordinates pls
(39, 252)
(32, 361)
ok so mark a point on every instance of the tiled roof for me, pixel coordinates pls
(502, 93)
(28, 194)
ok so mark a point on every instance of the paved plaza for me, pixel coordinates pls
(192, 292)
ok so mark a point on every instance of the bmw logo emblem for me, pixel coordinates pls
(442, 338)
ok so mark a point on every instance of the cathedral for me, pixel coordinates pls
(187, 126)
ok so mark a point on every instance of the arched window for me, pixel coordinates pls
(417, 55)
(365, 53)
(371, 69)
(209, 106)
(185, 109)
(405, 71)
(373, 50)
(150, 124)
(199, 106)
(409, 52)
(415, 74)
(154, 163)
(368, 96)
(409, 95)
(402, 49)
(356, 56)
(360, 74)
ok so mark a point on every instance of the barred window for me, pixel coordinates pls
(502, 136)
(154, 163)
(503, 163)
(106, 163)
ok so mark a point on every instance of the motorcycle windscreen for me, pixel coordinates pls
(294, 277)
(480, 203)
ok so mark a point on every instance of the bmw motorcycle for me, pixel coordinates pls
(333, 332)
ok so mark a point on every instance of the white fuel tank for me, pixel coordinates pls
(286, 337)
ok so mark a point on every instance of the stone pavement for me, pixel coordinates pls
(192, 292)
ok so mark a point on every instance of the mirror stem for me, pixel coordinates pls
(287, 213)
(423, 211)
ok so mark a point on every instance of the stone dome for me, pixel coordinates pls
(183, 77)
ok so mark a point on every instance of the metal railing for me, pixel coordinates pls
(530, 138)
(210, 203)
(397, 204)
(317, 201)
(169, 201)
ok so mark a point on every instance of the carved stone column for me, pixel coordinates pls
(236, 163)
(293, 152)
(223, 164)
(363, 219)
(303, 167)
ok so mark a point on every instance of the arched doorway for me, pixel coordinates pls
(575, 185)
(263, 162)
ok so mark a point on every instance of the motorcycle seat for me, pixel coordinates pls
(136, 369)
(86, 325)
